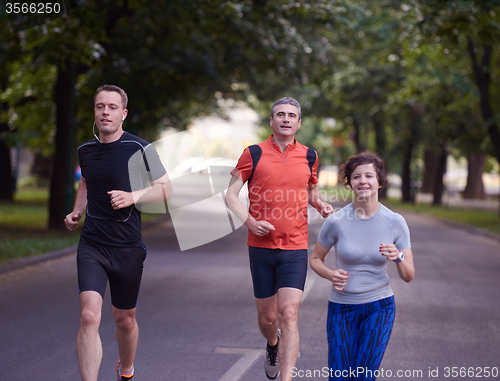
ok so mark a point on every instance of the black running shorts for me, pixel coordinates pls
(276, 268)
(122, 266)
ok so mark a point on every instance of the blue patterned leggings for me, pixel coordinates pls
(358, 335)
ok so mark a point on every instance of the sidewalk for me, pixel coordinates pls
(19, 263)
(455, 201)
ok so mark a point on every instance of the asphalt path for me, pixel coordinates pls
(197, 314)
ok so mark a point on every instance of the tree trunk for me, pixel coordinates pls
(406, 194)
(407, 188)
(482, 73)
(441, 170)
(7, 183)
(430, 171)
(62, 188)
(355, 136)
(42, 167)
(475, 168)
(380, 140)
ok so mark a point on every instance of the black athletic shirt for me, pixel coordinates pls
(126, 164)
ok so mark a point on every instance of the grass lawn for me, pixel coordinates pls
(23, 227)
(478, 218)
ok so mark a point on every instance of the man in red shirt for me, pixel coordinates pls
(282, 179)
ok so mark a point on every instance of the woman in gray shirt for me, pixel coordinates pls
(367, 237)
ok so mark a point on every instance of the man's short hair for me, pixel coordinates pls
(116, 89)
(286, 101)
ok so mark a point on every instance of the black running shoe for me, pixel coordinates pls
(271, 363)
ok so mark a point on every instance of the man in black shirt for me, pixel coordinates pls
(116, 169)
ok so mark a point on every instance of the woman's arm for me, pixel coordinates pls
(338, 277)
(406, 268)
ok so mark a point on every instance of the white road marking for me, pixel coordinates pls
(250, 356)
(310, 280)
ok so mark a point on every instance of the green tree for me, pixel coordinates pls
(471, 28)
(172, 58)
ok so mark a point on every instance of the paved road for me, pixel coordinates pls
(198, 322)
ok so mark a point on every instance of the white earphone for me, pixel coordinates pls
(96, 135)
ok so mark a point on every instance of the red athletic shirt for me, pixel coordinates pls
(277, 191)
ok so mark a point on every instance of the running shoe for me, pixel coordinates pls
(271, 363)
(119, 371)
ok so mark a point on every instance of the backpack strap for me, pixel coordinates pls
(255, 153)
(311, 159)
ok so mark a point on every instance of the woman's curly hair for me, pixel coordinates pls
(346, 169)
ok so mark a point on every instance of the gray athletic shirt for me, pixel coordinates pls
(357, 243)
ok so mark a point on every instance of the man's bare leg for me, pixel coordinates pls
(267, 310)
(288, 313)
(127, 336)
(88, 342)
